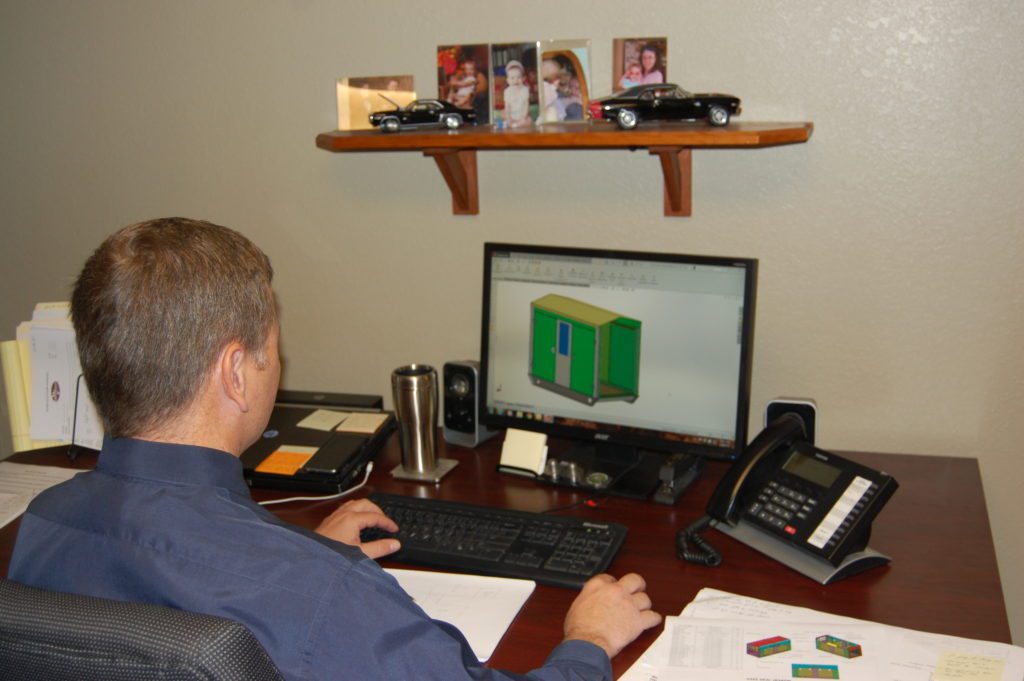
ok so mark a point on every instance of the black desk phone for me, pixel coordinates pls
(785, 489)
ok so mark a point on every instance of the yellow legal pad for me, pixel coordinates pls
(286, 460)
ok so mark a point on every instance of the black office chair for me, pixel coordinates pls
(53, 636)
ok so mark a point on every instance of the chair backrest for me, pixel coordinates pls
(56, 636)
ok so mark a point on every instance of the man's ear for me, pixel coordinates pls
(231, 372)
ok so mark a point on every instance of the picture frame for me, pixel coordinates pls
(564, 84)
(463, 78)
(358, 97)
(514, 80)
(639, 61)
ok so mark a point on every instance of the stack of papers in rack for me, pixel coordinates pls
(47, 400)
(724, 637)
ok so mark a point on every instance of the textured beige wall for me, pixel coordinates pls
(890, 245)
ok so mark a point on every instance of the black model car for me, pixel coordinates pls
(422, 113)
(664, 102)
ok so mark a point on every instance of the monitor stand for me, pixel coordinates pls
(608, 468)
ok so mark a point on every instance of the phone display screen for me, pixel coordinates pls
(811, 469)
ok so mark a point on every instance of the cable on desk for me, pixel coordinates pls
(366, 476)
(702, 552)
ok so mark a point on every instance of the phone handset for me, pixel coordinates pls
(724, 506)
(778, 436)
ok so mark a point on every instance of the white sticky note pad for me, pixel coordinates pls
(525, 450)
(363, 422)
(323, 419)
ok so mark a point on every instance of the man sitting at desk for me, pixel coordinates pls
(178, 337)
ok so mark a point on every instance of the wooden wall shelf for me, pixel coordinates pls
(455, 151)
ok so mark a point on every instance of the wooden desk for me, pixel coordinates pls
(943, 578)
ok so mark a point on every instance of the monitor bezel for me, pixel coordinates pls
(631, 437)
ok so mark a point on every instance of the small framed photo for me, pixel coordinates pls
(564, 80)
(362, 96)
(639, 61)
(462, 78)
(515, 103)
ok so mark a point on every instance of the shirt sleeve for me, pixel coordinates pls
(394, 639)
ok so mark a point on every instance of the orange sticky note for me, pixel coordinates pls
(286, 460)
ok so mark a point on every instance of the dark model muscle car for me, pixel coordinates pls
(663, 102)
(422, 112)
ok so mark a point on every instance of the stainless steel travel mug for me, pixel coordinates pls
(415, 391)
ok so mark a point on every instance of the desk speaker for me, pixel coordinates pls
(461, 406)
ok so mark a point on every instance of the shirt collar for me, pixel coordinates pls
(172, 463)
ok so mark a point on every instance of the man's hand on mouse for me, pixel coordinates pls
(349, 519)
(611, 612)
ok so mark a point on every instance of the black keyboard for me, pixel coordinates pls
(496, 541)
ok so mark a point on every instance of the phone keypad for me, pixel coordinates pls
(777, 505)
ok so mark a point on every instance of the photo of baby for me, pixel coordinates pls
(516, 95)
(462, 78)
(565, 75)
(633, 76)
(514, 73)
(638, 61)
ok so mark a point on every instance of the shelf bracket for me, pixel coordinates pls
(677, 167)
(458, 167)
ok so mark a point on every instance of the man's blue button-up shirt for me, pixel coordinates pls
(175, 525)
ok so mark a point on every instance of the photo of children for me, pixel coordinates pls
(360, 97)
(514, 72)
(462, 78)
(638, 61)
(565, 75)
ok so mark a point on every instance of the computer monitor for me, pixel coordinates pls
(629, 353)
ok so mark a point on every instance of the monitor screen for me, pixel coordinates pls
(640, 350)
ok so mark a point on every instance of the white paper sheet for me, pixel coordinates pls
(20, 483)
(482, 608)
(916, 653)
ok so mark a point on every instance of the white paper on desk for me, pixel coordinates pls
(12, 506)
(482, 608)
(20, 483)
(914, 654)
(694, 649)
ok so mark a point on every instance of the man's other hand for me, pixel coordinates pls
(611, 612)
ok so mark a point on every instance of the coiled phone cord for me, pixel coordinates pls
(701, 552)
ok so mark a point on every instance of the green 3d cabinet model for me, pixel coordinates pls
(582, 351)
